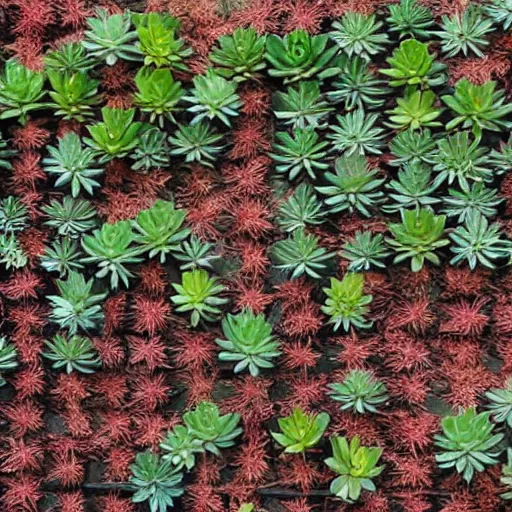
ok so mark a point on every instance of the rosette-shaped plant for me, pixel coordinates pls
(410, 19)
(75, 353)
(364, 251)
(180, 446)
(69, 57)
(500, 403)
(13, 215)
(8, 360)
(70, 217)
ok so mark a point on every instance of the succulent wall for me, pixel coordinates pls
(255, 256)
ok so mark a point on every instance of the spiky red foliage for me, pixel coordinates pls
(251, 217)
(110, 350)
(202, 497)
(255, 262)
(119, 205)
(304, 392)
(203, 217)
(355, 351)
(415, 502)
(298, 505)
(263, 15)
(349, 425)
(77, 420)
(297, 355)
(415, 315)
(196, 185)
(248, 178)
(73, 13)
(251, 296)
(24, 416)
(502, 316)
(200, 385)
(465, 318)
(461, 281)
(461, 501)
(26, 172)
(411, 284)
(112, 388)
(117, 77)
(67, 469)
(375, 502)
(118, 464)
(298, 471)
(412, 471)
(302, 14)
(22, 284)
(252, 461)
(403, 352)
(21, 455)
(488, 489)
(114, 503)
(72, 501)
(70, 388)
(30, 136)
(153, 278)
(250, 137)
(27, 318)
(148, 351)
(479, 70)
(411, 432)
(194, 349)
(28, 347)
(256, 100)
(114, 310)
(150, 429)
(22, 493)
(29, 382)
(32, 240)
(33, 17)
(150, 314)
(303, 321)
(412, 389)
(116, 426)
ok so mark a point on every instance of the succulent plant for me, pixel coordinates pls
(70, 57)
(198, 293)
(216, 431)
(75, 353)
(195, 253)
(346, 303)
(360, 391)
(152, 151)
(240, 56)
(180, 447)
(418, 236)
(364, 251)
(501, 160)
(8, 361)
(413, 146)
(354, 187)
(13, 215)
(468, 443)
(506, 477)
(410, 19)
(11, 253)
(500, 403)
(300, 430)
(73, 164)
(249, 342)
(356, 465)
(355, 132)
(71, 217)
(62, 256)
(6, 153)
(500, 11)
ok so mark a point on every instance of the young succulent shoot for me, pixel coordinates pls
(156, 481)
(501, 160)
(6, 154)
(468, 443)
(300, 56)
(410, 19)
(198, 294)
(180, 447)
(70, 217)
(418, 237)
(62, 256)
(160, 229)
(73, 353)
(13, 215)
(11, 253)
(240, 56)
(195, 253)
(8, 359)
(301, 430)
(360, 392)
(249, 342)
(70, 57)
(353, 187)
(412, 146)
(506, 477)
(73, 164)
(500, 403)
(346, 305)
(355, 132)
(216, 431)
(364, 251)
(500, 11)
(359, 34)
(152, 152)
(301, 254)
(356, 465)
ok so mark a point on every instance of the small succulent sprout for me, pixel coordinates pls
(70, 217)
(356, 465)
(360, 392)
(418, 237)
(73, 353)
(300, 56)
(13, 215)
(6, 154)
(62, 256)
(69, 57)
(195, 253)
(152, 152)
(301, 254)
(468, 443)
(73, 164)
(346, 304)
(500, 403)
(410, 19)
(198, 294)
(216, 431)
(506, 477)
(156, 481)
(11, 253)
(180, 446)
(501, 160)
(8, 361)
(249, 342)
(364, 251)
(160, 229)
(500, 11)
(413, 146)
(301, 430)
(240, 56)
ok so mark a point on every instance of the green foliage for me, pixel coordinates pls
(156, 481)
(356, 465)
(62, 256)
(298, 152)
(411, 64)
(216, 431)
(110, 248)
(6, 154)
(346, 303)
(412, 188)
(74, 354)
(506, 476)
(356, 85)
(180, 447)
(360, 391)
(353, 187)
(300, 56)
(157, 94)
(299, 254)
(77, 307)
(470, 200)
(500, 11)
(364, 251)
(457, 158)
(501, 160)
(70, 217)
(477, 242)
(500, 403)
(198, 293)
(8, 360)
(301, 209)
(69, 57)
(467, 443)
(160, 229)
(480, 107)
(11, 254)
(159, 41)
(74, 94)
(414, 111)
(356, 133)
(249, 342)
(412, 146)
(73, 164)
(301, 430)
(13, 215)
(410, 19)
(213, 97)
(301, 106)
(21, 90)
(418, 236)
(152, 151)
(110, 38)
(240, 56)
(465, 33)
(358, 34)
(198, 142)
(195, 253)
